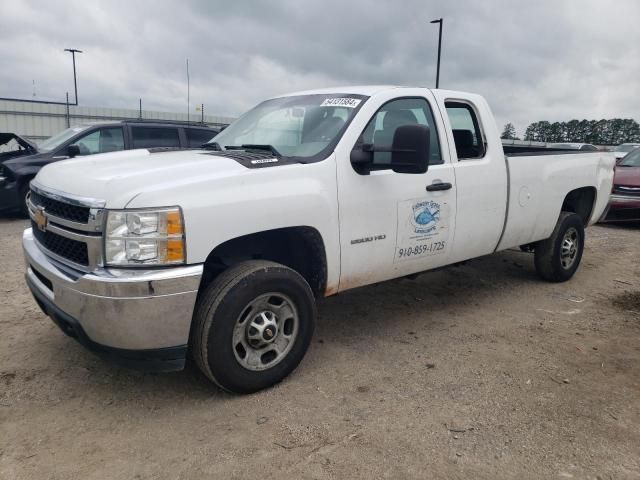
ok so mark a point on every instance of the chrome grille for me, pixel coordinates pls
(67, 228)
(72, 250)
(60, 209)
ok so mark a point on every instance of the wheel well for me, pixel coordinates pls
(581, 202)
(299, 248)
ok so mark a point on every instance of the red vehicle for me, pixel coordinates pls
(625, 198)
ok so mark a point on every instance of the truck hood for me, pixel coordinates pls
(119, 177)
(28, 147)
(627, 176)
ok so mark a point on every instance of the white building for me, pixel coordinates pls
(38, 120)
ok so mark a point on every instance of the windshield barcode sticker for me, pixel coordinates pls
(341, 102)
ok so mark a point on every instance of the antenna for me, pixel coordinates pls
(188, 90)
(34, 88)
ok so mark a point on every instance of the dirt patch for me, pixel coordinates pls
(478, 371)
(629, 301)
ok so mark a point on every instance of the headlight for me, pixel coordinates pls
(144, 237)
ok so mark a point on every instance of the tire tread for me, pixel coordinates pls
(208, 302)
(547, 250)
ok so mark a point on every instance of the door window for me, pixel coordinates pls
(149, 137)
(466, 130)
(405, 111)
(196, 137)
(101, 141)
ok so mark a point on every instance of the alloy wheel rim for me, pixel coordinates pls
(569, 248)
(265, 331)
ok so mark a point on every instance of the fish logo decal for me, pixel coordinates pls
(426, 216)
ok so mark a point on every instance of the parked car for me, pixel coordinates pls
(12, 145)
(89, 139)
(587, 147)
(145, 256)
(625, 197)
(623, 149)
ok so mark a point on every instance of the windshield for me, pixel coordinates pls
(625, 148)
(631, 160)
(55, 141)
(304, 127)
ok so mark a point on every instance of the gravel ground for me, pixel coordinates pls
(478, 371)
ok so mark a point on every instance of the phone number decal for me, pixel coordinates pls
(426, 248)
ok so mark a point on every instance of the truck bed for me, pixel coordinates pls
(538, 184)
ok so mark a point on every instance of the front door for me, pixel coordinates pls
(394, 224)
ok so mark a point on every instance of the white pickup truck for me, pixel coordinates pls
(146, 256)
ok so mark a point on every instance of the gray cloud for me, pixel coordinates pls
(552, 60)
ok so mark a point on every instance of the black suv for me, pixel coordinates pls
(20, 166)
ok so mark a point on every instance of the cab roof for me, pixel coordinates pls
(367, 90)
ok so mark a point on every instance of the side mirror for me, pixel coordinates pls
(409, 152)
(410, 149)
(362, 158)
(73, 150)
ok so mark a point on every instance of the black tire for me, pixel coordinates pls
(219, 310)
(551, 263)
(23, 190)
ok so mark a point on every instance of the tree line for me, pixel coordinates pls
(598, 132)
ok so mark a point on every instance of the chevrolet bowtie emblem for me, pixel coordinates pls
(40, 218)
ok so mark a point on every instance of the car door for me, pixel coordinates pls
(481, 175)
(394, 224)
(101, 140)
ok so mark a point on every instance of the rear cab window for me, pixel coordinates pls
(149, 137)
(467, 133)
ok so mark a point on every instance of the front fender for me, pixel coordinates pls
(256, 200)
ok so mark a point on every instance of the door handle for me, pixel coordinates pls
(436, 187)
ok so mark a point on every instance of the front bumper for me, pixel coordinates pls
(140, 318)
(623, 208)
(8, 195)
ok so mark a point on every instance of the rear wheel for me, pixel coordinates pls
(253, 325)
(558, 257)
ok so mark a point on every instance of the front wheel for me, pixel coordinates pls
(253, 325)
(558, 257)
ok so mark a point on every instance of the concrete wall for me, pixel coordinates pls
(38, 121)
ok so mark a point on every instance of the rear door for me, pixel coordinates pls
(481, 174)
(393, 224)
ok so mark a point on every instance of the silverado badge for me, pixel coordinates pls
(40, 218)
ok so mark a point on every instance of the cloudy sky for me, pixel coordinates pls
(533, 60)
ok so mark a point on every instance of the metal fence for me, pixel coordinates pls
(39, 120)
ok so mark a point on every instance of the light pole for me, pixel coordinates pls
(73, 52)
(440, 21)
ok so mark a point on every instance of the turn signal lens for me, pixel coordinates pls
(174, 223)
(175, 251)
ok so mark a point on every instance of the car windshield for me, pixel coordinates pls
(55, 141)
(625, 148)
(304, 127)
(631, 160)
